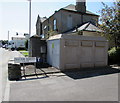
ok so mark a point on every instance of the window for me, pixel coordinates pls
(54, 24)
(45, 27)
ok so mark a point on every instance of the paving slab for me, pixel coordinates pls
(30, 70)
(50, 69)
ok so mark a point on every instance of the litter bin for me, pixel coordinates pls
(14, 72)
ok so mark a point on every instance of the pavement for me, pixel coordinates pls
(5, 56)
(30, 69)
(99, 84)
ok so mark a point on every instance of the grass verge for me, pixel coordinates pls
(24, 52)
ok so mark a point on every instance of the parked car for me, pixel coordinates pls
(4, 46)
(0, 43)
(15, 44)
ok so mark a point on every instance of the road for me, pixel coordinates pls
(5, 56)
(67, 87)
(64, 88)
(58, 87)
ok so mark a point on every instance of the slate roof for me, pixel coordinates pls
(40, 19)
(88, 27)
(43, 19)
(71, 7)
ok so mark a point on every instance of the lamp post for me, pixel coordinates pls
(29, 26)
(8, 37)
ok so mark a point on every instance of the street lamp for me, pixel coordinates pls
(8, 37)
(29, 26)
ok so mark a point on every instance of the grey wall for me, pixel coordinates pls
(78, 52)
(53, 53)
(62, 21)
(49, 23)
(38, 46)
(88, 33)
(39, 28)
(77, 19)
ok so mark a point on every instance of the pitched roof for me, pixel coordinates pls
(71, 7)
(43, 19)
(38, 19)
(85, 27)
(88, 27)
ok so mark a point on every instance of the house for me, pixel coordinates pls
(73, 38)
(67, 19)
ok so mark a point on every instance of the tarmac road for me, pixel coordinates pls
(64, 87)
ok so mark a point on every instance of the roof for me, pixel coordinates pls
(71, 7)
(43, 19)
(76, 37)
(35, 36)
(87, 27)
(40, 19)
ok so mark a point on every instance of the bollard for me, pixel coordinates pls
(14, 72)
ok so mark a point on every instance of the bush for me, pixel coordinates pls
(114, 56)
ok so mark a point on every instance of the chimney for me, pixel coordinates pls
(81, 6)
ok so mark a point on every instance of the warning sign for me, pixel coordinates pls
(52, 45)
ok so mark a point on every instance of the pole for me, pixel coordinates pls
(8, 37)
(29, 26)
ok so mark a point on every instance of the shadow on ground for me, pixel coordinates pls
(91, 73)
(74, 74)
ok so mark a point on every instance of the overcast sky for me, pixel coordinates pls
(14, 14)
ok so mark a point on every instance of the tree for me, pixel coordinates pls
(110, 22)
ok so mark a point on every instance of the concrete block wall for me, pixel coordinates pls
(38, 47)
(83, 54)
(78, 52)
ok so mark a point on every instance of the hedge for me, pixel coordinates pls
(114, 56)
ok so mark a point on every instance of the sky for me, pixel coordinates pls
(14, 14)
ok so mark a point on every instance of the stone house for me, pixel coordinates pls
(69, 18)
(72, 38)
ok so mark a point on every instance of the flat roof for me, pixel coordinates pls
(76, 37)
